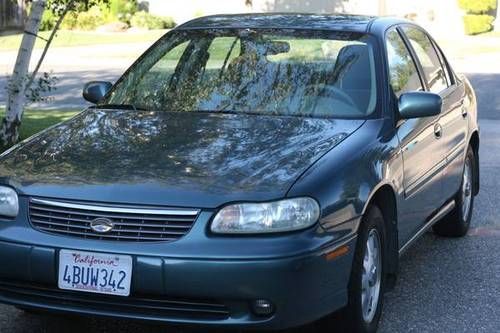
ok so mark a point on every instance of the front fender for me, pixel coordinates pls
(346, 178)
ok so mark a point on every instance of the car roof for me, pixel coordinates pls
(344, 22)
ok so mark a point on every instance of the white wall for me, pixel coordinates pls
(185, 10)
(439, 16)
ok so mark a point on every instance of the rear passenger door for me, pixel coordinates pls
(453, 119)
(418, 140)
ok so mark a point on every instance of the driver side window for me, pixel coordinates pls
(403, 74)
(426, 54)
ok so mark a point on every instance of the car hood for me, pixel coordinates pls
(185, 159)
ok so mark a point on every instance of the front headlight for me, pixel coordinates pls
(277, 216)
(9, 204)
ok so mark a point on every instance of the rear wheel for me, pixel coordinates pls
(457, 222)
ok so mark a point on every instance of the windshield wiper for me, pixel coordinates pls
(221, 109)
(117, 107)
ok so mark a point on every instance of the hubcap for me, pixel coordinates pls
(466, 190)
(371, 277)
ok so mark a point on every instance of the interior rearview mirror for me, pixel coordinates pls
(277, 47)
(419, 104)
(94, 91)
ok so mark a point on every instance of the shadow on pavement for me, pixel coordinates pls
(487, 87)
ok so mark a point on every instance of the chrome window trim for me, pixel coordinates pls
(118, 209)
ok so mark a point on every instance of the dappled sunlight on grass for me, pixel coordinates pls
(35, 121)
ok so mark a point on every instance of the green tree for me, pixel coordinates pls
(21, 81)
(17, 87)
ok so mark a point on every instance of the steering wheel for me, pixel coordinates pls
(330, 91)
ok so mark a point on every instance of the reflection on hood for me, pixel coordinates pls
(217, 153)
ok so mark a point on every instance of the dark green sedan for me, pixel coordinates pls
(248, 171)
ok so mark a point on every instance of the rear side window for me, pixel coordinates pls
(403, 72)
(448, 74)
(431, 65)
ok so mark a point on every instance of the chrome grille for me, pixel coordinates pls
(129, 223)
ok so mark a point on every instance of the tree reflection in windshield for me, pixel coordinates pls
(274, 72)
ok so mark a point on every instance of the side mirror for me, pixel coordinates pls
(419, 104)
(94, 91)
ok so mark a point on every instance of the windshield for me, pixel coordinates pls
(270, 72)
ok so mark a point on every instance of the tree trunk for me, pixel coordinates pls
(9, 129)
(47, 44)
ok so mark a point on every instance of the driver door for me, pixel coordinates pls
(419, 141)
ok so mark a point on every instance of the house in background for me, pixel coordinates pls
(441, 17)
(12, 14)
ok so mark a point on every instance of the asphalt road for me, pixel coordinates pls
(445, 285)
(73, 67)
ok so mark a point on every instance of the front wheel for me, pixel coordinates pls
(366, 285)
(457, 222)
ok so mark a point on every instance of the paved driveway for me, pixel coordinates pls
(74, 66)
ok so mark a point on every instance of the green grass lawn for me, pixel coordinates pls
(79, 38)
(36, 120)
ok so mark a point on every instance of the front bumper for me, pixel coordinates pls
(209, 292)
(199, 279)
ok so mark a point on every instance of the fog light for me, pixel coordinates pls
(262, 307)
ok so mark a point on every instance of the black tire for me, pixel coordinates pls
(455, 224)
(353, 313)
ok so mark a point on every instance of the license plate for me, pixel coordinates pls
(95, 272)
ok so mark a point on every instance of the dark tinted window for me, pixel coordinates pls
(403, 73)
(433, 71)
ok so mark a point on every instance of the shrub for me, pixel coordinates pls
(90, 19)
(168, 22)
(478, 6)
(143, 19)
(48, 20)
(69, 21)
(476, 24)
(113, 27)
(198, 13)
(122, 10)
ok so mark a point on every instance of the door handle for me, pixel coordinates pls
(438, 131)
(464, 112)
